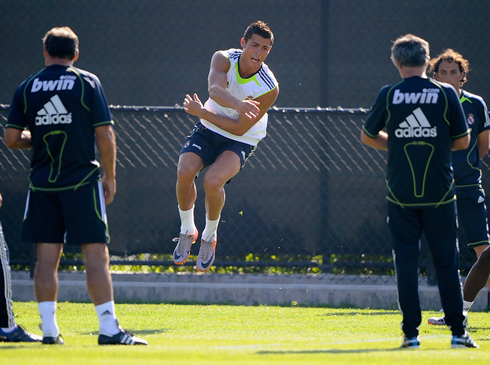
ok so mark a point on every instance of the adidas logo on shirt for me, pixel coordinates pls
(415, 125)
(54, 112)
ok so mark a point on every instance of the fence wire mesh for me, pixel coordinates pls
(310, 199)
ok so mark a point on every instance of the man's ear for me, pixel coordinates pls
(77, 53)
(242, 42)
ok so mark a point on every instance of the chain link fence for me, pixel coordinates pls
(310, 200)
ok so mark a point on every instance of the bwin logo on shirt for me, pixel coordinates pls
(415, 125)
(54, 112)
(66, 82)
(427, 96)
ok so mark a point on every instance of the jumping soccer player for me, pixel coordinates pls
(232, 122)
(424, 121)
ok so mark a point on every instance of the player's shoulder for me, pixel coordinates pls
(473, 98)
(85, 75)
(267, 76)
(442, 85)
(233, 53)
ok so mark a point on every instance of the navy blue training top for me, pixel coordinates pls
(61, 106)
(467, 163)
(421, 117)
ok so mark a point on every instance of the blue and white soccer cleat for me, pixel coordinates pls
(410, 343)
(183, 248)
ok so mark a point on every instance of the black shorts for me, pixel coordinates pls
(472, 215)
(209, 145)
(73, 217)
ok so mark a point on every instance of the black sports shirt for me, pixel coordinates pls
(421, 117)
(61, 106)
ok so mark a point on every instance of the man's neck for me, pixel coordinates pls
(49, 61)
(406, 72)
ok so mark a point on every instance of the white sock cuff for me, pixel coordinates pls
(187, 225)
(107, 306)
(46, 305)
(210, 230)
(467, 305)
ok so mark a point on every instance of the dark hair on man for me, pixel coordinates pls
(410, 51)
(260, 28)
(451, 56)
(61, 42)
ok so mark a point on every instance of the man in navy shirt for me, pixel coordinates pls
(424, 121)
(61, 113)
(452, 68)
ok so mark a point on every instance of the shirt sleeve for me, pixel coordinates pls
(99, 110)
(16, 117)
(457, 120)
(378, 116)
(484, 124)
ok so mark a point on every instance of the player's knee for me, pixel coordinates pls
(485, 257)
(213, 184)
(186, 173)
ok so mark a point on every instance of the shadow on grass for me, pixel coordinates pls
(134, 332)
(386, 313)
(333, 351)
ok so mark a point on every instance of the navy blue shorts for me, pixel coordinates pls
(472, 215)
(73, 217)
(209, 145)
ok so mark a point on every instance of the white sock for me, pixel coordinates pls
(209, 233)
(467, 305)
(9, 329)
(107, 318)
(187, 225)
(47, 310)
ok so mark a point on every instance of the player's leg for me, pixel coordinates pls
(43, 223)
(472, 216)
(46, 288)
(192, 156)
(405, 231)
(477, 278)
(86, 222)
(440, 227)
(478, 251)
(9, 330)
(222, 170)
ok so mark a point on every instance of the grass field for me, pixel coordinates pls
(213, 334)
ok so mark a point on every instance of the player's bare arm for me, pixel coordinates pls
(460, 143)
(381, 142)
(17, 139)
(220, 64)
(483, 142)
(106, 145)
(238, 127)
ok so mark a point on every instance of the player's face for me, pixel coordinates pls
(449, 73)
(255, 51)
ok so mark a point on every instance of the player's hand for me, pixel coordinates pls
(249, 108)
(1, 200)
(192, 106)
(109, 186)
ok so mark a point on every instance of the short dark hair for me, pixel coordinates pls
(260, 28)
(451, 56)
(61, 42)
(410, 51)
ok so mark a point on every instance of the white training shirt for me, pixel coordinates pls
(259, 84)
